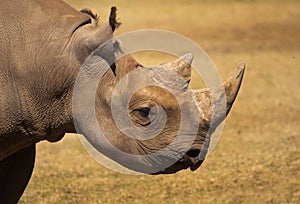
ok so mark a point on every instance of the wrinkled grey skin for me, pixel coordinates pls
(43, 45)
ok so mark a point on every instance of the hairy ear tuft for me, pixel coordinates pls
(112, 18)
(90, 13)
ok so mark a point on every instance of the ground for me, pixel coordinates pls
(257, 159)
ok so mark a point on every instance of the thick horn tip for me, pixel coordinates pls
(187, 58)
(240, 70)
(241, 66)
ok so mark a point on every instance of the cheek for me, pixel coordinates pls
(170, 131)
(156, 139)
(174, 120)
(169, 124)
(139, 121)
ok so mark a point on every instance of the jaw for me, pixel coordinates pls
(185, 163)
(190, 159)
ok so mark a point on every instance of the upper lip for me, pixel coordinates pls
(195, 163)
(192, 162)
(185, 162)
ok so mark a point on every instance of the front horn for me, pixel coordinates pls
(211, 101)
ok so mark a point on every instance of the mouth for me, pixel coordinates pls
(191, 162)
(192, 159)
(195, 164)
(185, 162)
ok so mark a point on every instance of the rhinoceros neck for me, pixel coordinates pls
(46, 100)
(36, 106)
(35, 102)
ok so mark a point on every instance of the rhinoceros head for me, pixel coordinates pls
(146, 118)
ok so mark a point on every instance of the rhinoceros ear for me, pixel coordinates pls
(90, 13)
(211, 100)
(89, 36)
(113, 18)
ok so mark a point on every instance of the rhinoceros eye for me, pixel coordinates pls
(144, 112)
(141, 116)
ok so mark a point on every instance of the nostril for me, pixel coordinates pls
(193, 152)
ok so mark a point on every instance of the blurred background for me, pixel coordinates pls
(257, 159)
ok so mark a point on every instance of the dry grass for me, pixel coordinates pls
(257, 159)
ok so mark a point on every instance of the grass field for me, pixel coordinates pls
(257, 159)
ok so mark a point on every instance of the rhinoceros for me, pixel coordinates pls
(44, 44)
